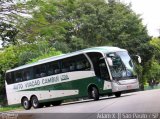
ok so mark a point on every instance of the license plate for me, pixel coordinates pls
(129, 87)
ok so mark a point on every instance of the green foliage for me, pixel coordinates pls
(62, 46)
(70, 25)
(152, 71)
(155, 42)
(51, 53)
(86, 23)
(10, 14)
(10, 108)
(153, 67)
(7, 33)
(14, 56)
(19, 55)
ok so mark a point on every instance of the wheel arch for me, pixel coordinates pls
(89, 88)
(23, 97)
(33, 96)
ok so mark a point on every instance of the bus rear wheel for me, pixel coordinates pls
(26, 103)
(94, 93)
(35, 102)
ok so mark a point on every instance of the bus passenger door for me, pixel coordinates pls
(100, 69)
(104, 74)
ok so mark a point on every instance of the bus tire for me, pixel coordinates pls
(117, 94)
(56, 103)
(94, 93)
(35, 102)
(26, 103)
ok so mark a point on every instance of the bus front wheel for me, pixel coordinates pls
(94, 93)
(35, 102)
(26, 103)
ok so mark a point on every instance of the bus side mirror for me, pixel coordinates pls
(110, 62)
(139, 59)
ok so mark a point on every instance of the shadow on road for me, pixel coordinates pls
(101, 98)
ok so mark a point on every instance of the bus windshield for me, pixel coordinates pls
(121, 65)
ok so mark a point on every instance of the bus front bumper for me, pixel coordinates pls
(117, 87)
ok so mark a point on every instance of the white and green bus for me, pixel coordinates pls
(91, 72)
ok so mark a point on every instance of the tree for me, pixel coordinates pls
(153, 69)
(14, 56)
(10, 13)
(70, 25)
(89, 22)
(7, 33)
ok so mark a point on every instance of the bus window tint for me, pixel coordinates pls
(72, 66)
(82, 63)
(43, 70)
(26, 75)
(98, 64)
(18, 76)
(75, 63)
(50, 70)
(9, 78)
(56, 68)
(68, 65)
(104, 74)
(37, 72)
(40, 71)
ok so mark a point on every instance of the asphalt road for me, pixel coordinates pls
(136, 102)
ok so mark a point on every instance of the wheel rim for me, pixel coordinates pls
(93, 94)
(25, 104)
(35, 102)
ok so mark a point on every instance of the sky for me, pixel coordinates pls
(149, 11)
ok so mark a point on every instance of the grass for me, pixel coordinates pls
(150, 88)
(10, 108)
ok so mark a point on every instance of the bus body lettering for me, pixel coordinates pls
(64, 77)
(32, 83)
(18, 87)
(50, 80)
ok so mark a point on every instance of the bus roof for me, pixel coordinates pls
(102, 49)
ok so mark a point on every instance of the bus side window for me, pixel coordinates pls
(9, 78)
(37, 72)
(79, 66)
(18, 76)
(70, 64)
(99, 64)
(72, 67)
(50, 70)
(57, 71)
(26, 75)
(56, 67)
(82, 63)
(43, 70)
(65, 65)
